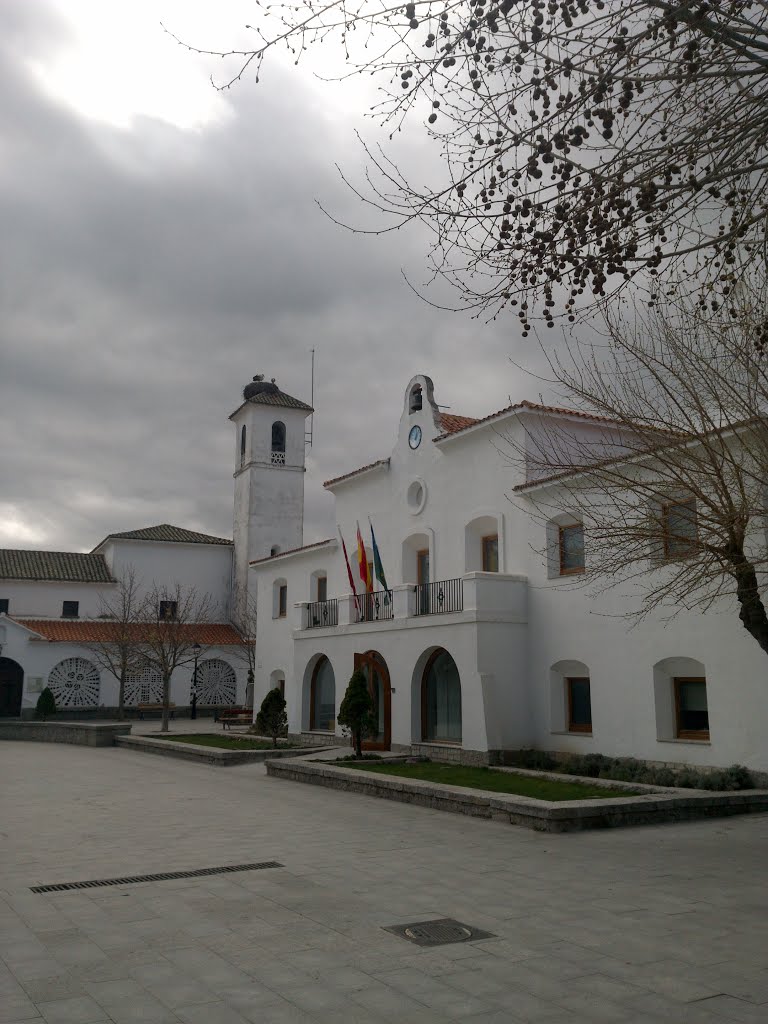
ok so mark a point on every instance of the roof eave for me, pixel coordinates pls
(308, 549)
(340, 481)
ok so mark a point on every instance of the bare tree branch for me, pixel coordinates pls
(584, 143)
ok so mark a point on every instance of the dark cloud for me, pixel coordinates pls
(148, 274)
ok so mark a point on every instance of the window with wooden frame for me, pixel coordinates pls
(282, 601)
(678, 523)
(491, 553)
(691, 711)
(322, 588)
(70, 609)
(571, 548)
(579, 704)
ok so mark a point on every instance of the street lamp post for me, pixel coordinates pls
(193, 702)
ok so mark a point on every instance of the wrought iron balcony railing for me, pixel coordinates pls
(323, 613)
(441, 596)
(373, 607)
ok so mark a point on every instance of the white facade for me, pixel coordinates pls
(522, 639)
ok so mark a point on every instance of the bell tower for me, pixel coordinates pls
(269, 478)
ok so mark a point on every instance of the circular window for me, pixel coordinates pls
(416, 496)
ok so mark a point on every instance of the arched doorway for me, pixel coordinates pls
(322, 697)
(441, 699)
(11, 688)
(376, 673)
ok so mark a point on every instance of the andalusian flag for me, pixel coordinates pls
(378, 568)
(362, 562)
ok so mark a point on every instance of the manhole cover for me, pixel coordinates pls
(438, 933)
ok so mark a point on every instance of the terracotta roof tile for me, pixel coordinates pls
(293, 551)
(165, 534)
(81, 631)
(451, 423)
(69, 566)
(279, 398)
(531, 407)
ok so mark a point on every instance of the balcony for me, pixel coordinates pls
(439, 597)
(374, 607)
(322, 613)
(475, 596)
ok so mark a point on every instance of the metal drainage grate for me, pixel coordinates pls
(162, 876)
(438, 933)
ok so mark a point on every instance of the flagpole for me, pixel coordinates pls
(350, 577)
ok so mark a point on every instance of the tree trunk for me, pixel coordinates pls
(121, 698)
(751, 608)
(166, 702)
(358, 743)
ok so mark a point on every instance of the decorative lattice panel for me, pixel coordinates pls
(145, 687)
(74, 682)
(216, 682)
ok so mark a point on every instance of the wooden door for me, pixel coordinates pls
(377, 676)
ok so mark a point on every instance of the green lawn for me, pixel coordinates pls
(206, 739)
(492, 781)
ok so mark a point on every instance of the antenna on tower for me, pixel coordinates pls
(308, 434)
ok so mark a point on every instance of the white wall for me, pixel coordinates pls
(206, 567)
(44, 600)
(37, 658)
(570, 620)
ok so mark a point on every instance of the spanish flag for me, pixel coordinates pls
(366, 574)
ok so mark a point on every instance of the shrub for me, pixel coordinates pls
(272, 719)
(628, 769)
(535, 760)
(46, 705)
(356, 714)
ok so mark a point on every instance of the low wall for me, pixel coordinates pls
(205, 755)
(84, 734)
(661, 805)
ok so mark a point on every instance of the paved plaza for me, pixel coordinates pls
(648, 924)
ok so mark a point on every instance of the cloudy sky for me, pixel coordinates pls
(161, 244)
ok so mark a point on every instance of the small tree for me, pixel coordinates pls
(357, 713)
(272, 719)
(115, 646)
(46, 704)
(682, 406)
(246, 649)
(171, 618)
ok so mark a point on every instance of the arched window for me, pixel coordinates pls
(216, 682)
(74, 683)
(145, 686)
(278, 443)
(415, 402)
(322, 701)
(242, 445)
(441, 700)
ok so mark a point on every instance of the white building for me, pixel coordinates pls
(480, 646)
(52, 603)
(477, 645)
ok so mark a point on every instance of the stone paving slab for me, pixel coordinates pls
(655, 924)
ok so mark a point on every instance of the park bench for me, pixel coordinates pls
(154, 707)
(240, 718)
